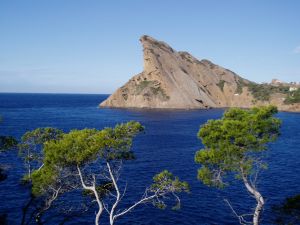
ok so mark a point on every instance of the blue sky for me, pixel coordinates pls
(74, 46)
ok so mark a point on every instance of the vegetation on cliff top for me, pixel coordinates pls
(261, 92)
(293, 97)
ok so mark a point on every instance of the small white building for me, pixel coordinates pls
(293, 89)
(276, 81)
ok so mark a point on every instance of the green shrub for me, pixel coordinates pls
(293, 97)
(142, 85)
(160, 91)
(264, 91)
(221, 84)
(240, 85)
(155, 90)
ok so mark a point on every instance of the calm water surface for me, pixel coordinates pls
(169, 142)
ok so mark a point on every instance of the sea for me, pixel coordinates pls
(169, 142)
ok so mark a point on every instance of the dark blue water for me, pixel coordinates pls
(169, 142)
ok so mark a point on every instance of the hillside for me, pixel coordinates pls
(178, 80)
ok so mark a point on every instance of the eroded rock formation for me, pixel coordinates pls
(172, 79)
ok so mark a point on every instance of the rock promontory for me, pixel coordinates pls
(177, 80)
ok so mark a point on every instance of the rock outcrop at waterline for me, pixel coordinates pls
(178, 80)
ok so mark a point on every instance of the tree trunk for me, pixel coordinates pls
(259, 199)
(97, 218)
(93, 189)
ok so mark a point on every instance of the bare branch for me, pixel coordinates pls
(241, 218)
(143, 200)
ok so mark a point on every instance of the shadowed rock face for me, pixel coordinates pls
(172, 79)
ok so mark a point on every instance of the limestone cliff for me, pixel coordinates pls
(178, 80)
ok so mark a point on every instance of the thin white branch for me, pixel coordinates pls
(40, 167)
(143, 200)
(114, 206)
(241, 218)
(124, 192)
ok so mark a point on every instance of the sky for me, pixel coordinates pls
(80, 46)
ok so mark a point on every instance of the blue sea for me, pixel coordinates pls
(169, 142)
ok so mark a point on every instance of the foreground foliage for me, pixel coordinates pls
(233, 146)
(6, 143)
(31, 147)
(91, 160)
(289, 211)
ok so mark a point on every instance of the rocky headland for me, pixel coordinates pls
(177, 80)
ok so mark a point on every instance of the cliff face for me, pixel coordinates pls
(174, 79)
